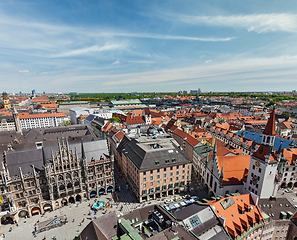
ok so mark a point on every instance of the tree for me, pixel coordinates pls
(115, 119)
(286, 114)
(64, 123)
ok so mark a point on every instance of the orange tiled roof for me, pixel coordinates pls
(41, 115)
(291, 156)
(234, 220)
(287, 124)
(235, 168)
(188, 138)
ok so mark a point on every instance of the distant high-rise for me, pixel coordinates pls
(194, 91)
(199, 91)
(33, 92)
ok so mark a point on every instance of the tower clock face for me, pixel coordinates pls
(257, 164)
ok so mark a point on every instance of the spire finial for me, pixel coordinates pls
(222, 174)
(43, 157)
(82, 150)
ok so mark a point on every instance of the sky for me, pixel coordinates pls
(148, 46)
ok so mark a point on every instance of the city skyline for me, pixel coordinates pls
(97, 46)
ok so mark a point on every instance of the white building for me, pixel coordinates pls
(78, 111)
(28, 121)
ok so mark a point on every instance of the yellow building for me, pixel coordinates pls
(6, 103)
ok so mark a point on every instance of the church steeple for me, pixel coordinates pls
(215, 148)
(269, 131)
(222, 173)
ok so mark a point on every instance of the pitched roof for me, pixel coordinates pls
(235, 168)
(264, 151)
(236, 222)
(270, 126)
(188, 138)
(41, 115)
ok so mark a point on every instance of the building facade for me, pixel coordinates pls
(44, 179)
(43, 120)
(153, 166)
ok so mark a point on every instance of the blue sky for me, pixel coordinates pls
(126, 46)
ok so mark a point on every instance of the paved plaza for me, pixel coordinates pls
(122, 202)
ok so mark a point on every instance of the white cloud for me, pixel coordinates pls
(116, 62)
(208, 61)
(171, 37)
(259, 23)
(43, 73)
(23, 71)
(92, 49)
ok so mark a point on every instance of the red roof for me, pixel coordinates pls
(270, 126)
(41, 115)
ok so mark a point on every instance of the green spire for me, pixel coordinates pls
(206, 158)
(281, 169)
(43, 157)
(253, 147)
(222, 174)
(215, 148)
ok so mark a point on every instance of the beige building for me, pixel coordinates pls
(153, 166)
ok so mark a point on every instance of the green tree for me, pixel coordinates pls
(115, 119)
(64, 123)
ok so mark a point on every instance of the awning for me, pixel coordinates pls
(101, 191)
(172, 207)
(109, 190)
(93, 194)
(47, 207)
(35, 211)
(187, 202)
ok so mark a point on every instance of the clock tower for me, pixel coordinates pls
(263, 164)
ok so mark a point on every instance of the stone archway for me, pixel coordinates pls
(61, 187)
(109, 189)
(283, 185)
(290, 185)
(78, 198)
(101, 191)
(64, 202)
(93, 194)
(35, 211)
(47, 207)
(6, 220)
(295, 184)
(23, 214)
(71, 200)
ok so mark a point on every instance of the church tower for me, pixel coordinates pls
(146, 113)
(263, 164)
(16, 121)
(6, 103)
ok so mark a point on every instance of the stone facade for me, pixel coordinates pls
(70, 174)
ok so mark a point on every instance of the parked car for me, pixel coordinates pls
(288, 190)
